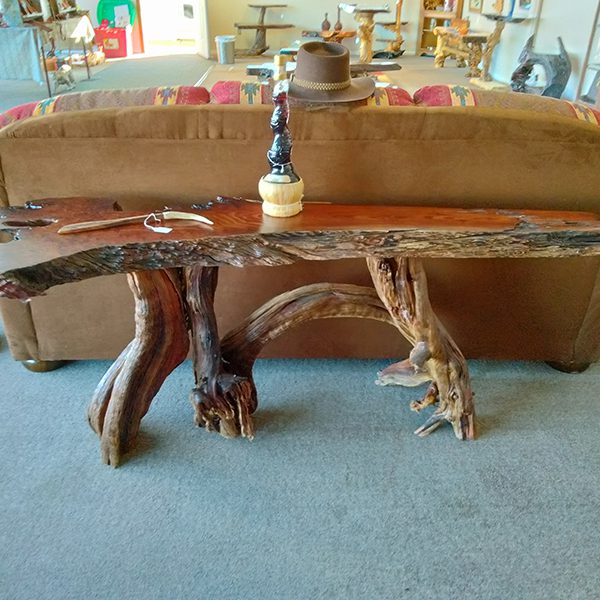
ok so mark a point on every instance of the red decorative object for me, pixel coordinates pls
(113, 40)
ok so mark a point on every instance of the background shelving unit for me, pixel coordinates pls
(432, 15)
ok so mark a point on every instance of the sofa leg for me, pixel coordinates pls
(43, 366)
(568, 367)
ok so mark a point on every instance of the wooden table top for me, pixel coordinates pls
(470, 35)
(369, 10)
(34, 257)
(263, 25)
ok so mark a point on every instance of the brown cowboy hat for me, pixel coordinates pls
(323, 75)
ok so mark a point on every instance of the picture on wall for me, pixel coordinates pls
(475, 5)
(509, 8)
(523, 9)
(494, 7)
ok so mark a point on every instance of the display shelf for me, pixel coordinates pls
(439, 14)
(427, 39)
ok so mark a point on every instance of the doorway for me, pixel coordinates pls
(175, 27)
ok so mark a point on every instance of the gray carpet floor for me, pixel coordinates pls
(183, 69)
(335, 498)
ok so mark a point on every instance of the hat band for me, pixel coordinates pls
(322, 86)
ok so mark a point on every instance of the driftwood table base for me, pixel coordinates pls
(174, 306)
(174, 277)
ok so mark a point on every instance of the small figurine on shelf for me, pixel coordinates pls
(325, 25)
(338, 24)
(28, 9)
(64, 76)
(281, 189)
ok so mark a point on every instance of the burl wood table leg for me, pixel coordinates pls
(161, 343)
(402, 286)
(223, 400)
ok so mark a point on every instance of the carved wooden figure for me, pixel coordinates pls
(281, 189)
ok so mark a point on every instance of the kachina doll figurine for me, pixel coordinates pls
(281, 189)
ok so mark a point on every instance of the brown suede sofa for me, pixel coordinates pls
(493, 154)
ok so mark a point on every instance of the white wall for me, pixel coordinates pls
(573, 21)
(90, 5)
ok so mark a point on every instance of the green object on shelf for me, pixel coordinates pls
(106, 10)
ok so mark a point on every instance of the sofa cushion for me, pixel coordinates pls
(240, 92)
(255, 92)
(180, 94)
(458, 95)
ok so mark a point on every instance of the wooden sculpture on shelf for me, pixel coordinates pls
(281, 189)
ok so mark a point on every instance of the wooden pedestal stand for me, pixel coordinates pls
(493, 41)
(366, 24)
(260, 41)
(174, 276)
(394, 46)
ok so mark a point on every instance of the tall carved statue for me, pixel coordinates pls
(281, 189)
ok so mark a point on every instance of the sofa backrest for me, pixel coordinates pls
(75, 101)
(449, 156)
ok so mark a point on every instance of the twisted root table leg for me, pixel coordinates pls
(223, 401)
(225, 395)
(161, 343)
(402, 287)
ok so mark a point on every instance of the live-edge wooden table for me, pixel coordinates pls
(173, 278)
